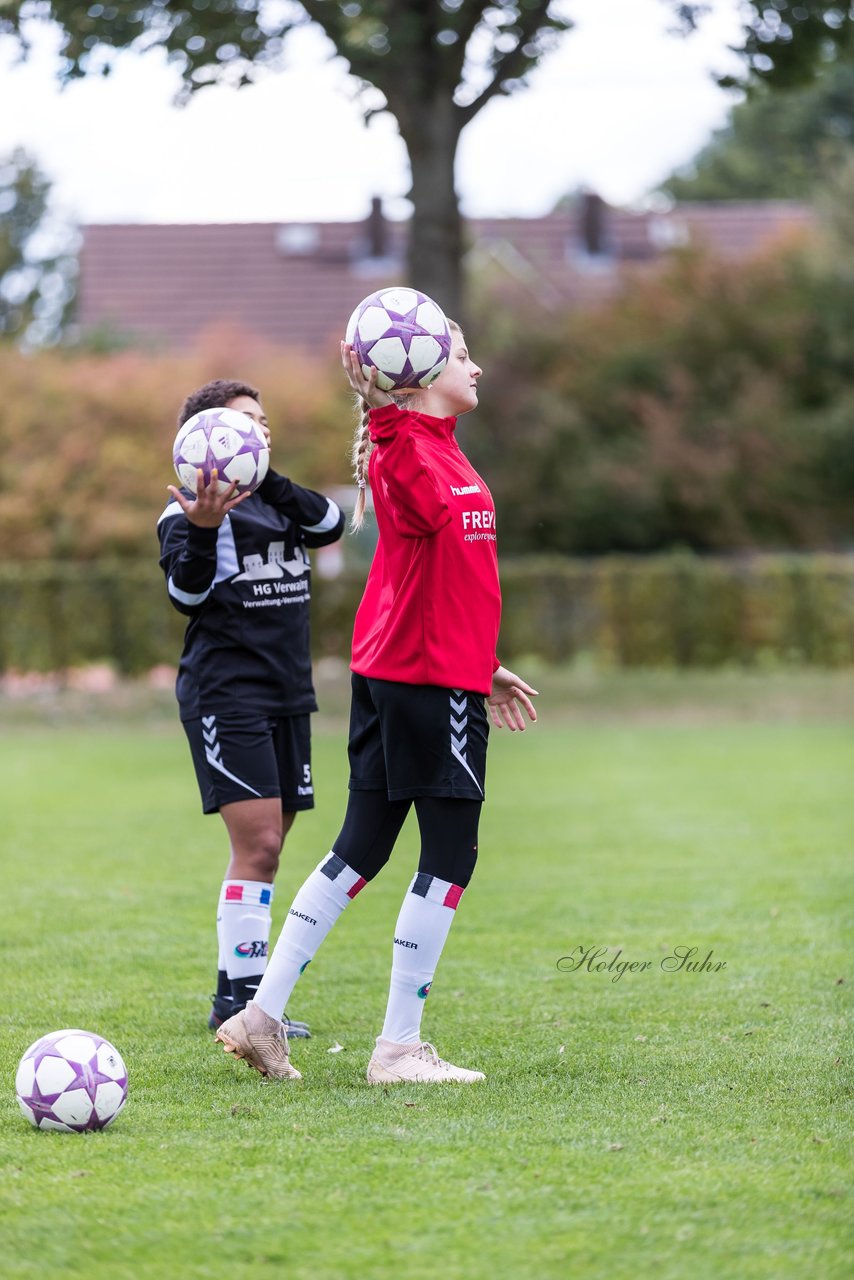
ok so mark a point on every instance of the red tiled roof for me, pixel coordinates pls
(295, 284)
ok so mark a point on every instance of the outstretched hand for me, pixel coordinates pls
(510, 696)
(209, 507)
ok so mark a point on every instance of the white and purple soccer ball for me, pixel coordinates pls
(403, 334)
(224, 439)
(72, 1081)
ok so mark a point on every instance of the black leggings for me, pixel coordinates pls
(448, 834)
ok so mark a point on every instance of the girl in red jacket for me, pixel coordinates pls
(424, 673)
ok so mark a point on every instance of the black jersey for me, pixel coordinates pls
(246, 587)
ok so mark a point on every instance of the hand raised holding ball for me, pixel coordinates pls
(220, 455)
(401, 338)
(211, 504)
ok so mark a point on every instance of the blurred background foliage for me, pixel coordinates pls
(708, 407)
(86, 438)
(775, 145)
(673, 468)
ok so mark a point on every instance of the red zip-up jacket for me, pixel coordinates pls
(432, 603)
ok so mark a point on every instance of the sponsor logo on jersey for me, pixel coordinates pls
(461, 491)
(256, 568)
(482, 519)
(251, 950)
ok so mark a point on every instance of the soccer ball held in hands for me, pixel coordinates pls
(225, 440)
(403, 334)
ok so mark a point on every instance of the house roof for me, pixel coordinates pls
(295, 284)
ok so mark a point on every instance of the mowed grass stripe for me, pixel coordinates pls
(667, 1123)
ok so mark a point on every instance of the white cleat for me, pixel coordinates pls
(260, 1040)
(417, 1063)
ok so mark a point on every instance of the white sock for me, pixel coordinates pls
(419, 936)
(243, 928)
(331, 886)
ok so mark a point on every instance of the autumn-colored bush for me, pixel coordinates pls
(86, 440)
(709, 406)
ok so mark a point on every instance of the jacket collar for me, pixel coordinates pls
(442, 428)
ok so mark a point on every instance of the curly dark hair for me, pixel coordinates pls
(213, 395)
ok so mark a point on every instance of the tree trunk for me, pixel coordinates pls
(434, 254)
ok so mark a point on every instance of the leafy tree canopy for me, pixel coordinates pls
(776, 145)
(36, 273)
(469, 50)
(785, 43)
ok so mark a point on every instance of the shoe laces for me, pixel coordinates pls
(427, 1051)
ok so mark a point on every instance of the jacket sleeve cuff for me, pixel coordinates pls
(201, 540)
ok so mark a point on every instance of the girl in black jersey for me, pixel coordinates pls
(237, 567)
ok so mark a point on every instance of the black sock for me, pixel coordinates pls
(242, 991)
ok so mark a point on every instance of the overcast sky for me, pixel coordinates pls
(617, 107)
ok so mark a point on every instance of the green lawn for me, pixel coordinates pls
(663, 1124)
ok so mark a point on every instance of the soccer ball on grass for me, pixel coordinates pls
(224, 439)
(71, 1080)
(403, 334)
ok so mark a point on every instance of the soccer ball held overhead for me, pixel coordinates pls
(403, 334)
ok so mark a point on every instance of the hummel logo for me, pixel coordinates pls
(460, 491)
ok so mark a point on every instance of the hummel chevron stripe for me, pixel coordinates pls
(459, 737)
(213, 752)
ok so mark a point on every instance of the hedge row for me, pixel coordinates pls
(677, 610)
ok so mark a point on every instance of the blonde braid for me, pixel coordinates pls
(360, 455)
(362, 443)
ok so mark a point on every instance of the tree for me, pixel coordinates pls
(776, 145)
(36, 273)
(434, 64)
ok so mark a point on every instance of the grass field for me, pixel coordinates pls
(661, 1123)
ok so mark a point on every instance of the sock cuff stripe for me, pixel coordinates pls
(342, 875)
(433, 889)
(452, 897)
(248, 893)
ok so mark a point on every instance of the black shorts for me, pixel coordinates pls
(247, 757)
(417, 740)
